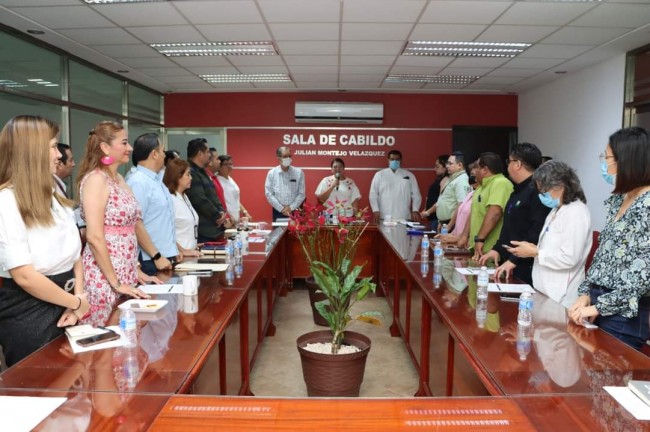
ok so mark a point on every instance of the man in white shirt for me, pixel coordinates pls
(285, 185)
(63, 168)
(394, 191)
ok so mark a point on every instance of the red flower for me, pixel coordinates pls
(321, 220)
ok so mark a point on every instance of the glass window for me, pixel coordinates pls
(11, 106)
(95, 89)
(143, 104)
(29, 68)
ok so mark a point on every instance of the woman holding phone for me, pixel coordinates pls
(40, 266)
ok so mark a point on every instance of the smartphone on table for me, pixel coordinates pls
(97, 339)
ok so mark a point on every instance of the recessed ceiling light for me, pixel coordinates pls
(36, 32)
(464, 49)
(437, 79)
(11, 84)
(120, 1)
(245, 78)
(34, 79)
(214, 48)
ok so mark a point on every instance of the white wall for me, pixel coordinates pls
(571, 118)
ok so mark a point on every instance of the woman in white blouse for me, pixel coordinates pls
(565, 240)
(339, 191)
(178, 179)
(231, 191)
(40, 266)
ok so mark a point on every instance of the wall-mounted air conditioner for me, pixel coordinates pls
(339, 112)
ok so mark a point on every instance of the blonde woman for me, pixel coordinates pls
(40, 266)
(113, 223)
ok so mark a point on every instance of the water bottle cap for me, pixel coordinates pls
(483, 268)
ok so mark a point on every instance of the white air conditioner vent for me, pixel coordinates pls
(339, 112)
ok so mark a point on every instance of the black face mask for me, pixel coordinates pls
(472, 180)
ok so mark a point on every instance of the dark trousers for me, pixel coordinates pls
(633, 331)
(277, 214)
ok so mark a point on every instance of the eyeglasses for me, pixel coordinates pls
(603, 157)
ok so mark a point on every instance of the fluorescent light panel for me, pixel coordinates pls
(245, 78)
(436, 79)
(464, 49)
(215, 48)
(120, 1)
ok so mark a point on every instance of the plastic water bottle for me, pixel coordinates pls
(444, 229)
(437, 279)
(230, 274)
(335, 218)
(239, 268)
(482, 283)
(129, 327)
(438, 253)
(131, 368)
(481, 312)
(230, 251)
(523, 341)
(424, 268)
(525, 315)
(238, 247)
(425, 247)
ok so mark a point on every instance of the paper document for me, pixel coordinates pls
(200, 266)
(162, 289)
(473, 271)
(260, 232)
(630, 402)
(256, 240)
(213, 251)
(110, 344)
(510, 288)
(24, 413)
(280, 224)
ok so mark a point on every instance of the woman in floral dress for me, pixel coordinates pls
(114, 224)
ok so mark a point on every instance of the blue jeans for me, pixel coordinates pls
(633, 331)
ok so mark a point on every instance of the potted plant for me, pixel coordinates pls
(329, 251)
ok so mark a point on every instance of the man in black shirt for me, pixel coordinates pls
(524, 214)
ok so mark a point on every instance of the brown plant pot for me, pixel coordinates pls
(315, 297)
(333, 375)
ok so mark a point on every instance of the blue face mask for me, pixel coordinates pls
(609, 178)
(548, 200)
(394, 165)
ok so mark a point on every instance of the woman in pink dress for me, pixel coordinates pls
(113, 223)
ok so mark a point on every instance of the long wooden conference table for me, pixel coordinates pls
(194, 362)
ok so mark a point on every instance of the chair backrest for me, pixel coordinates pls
(594, 246)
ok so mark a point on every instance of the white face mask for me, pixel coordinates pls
(286, 162)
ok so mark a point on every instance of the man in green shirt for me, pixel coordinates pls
(456, 190)
(488, 203)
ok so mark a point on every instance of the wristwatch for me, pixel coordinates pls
(156, 257)
(477, 239)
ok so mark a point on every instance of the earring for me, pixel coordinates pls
(107, 160)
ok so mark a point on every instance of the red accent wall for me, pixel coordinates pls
(253, 149)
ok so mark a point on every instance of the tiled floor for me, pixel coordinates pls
(277, 370)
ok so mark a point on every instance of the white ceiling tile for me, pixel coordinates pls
(202, 61)
(360, 85)
(166, 34)
(376, 60)
(308, 47)
(299, 70)
(219, 12)
(520, 73)
(262, 69)
(100, 36)
(543, 13)
(423, 61)
(209, 70)
(256, 60)
(431, 86)
(300, 10)
(307, 60)
(232, 85)
(127, 50)
(382, 10)
(146, 62)
(406, 85)
(514, 33)
(584, 35)
(533, 63)
(161, 72)
(39, 2)
(316, 76)
(615, 15)
(499, 80)
(383, 31)
(141, 14)
(478, 62)
(465, 71)
(351, 77)
(275, 85)
(417, 70)
(487, 86)
(465, 12)
(554, 51)
(317, 85)
(374, 70)
(446, 32)
(192, 86)
(59, 17)
(371, 47)
(234, 32)
(307, 31)
(181, 79)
